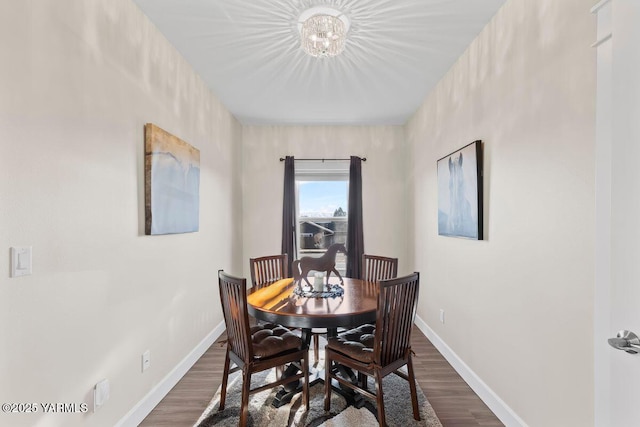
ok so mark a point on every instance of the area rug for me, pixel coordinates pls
(397, 399)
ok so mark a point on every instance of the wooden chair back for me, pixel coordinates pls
(268, 269)
(233, 296)
(397, 302)
(376, 267)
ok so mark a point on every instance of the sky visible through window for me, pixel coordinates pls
(322, 198)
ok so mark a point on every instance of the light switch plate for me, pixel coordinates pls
(21, 261)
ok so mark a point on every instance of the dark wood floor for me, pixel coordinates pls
(454, 402)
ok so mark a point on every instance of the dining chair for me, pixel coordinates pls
(257, 348)
(378, 350)
(375, 267)
(269, 269)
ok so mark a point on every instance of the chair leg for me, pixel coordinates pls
(244, 406)
(327, 380)
(225, 378)
(305, 387)
(412, 387)
(380, 400)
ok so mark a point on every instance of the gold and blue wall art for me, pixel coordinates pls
(172, 183)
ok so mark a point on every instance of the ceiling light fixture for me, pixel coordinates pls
(323, 31)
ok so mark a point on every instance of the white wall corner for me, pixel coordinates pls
(488, 396)
(144, 407)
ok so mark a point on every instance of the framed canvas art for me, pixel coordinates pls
(172, 183)
(460, 193)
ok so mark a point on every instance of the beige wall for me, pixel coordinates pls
(384, 197)
(79, 79)
(519, 305)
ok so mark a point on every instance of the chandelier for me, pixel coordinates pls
(323, 31)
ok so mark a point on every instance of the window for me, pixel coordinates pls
(322, 199)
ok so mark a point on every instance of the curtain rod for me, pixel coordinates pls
(364, 159)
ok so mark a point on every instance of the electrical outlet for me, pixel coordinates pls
(146, 360)
(441, 316)
(101, 393)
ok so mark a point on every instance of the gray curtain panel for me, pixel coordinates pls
(355, 237)
(289, 212)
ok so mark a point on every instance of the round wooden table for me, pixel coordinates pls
(277, 303)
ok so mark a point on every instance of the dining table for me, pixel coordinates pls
(281, 303)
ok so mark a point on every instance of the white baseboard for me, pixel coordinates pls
(143, 408)
(488, 396)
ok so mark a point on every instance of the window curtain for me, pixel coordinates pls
(289, 211)
(355, 237)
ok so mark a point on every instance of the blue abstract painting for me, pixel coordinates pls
(172, 183)
(460, 193)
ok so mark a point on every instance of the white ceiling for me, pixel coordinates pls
(248, 52)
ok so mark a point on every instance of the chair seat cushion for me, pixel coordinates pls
(270, 339)
(356, 343)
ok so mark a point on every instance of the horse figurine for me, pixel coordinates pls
(326, 263)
